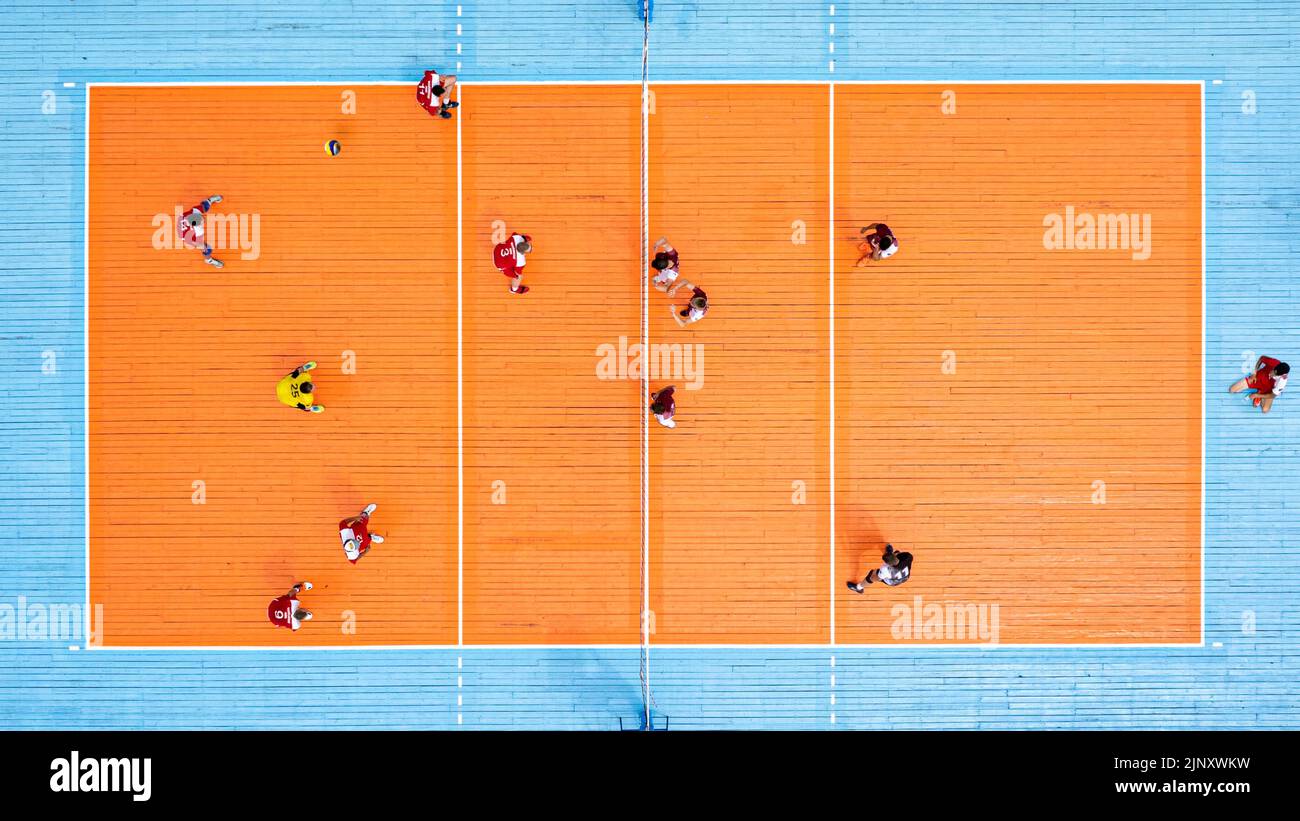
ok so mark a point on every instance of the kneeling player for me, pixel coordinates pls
(286, 610)
(356, 536)
(895, 569)
(695, 309)
(434, 93)
(1268, 381)
(664, 407)
(509, 258)
(664, 263)
(190, 230)
(296, 390)
(877, 245)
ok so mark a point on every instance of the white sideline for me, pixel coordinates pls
(459, 368)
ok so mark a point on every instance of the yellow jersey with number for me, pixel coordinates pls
(290, 390)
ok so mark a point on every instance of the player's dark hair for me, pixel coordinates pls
(904, 561)
(438, 91)
(1282, 369)
(699, 302)
(657, 408)
(886, 242)
(661, 261)
(306, 387)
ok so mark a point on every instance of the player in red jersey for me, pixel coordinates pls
(286, 610)
(356, 536)
(877, 245)
(664, 407)
(190, 230)
(434, 94)
(1268, 381)
(509, 258)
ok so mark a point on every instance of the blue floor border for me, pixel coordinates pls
(1245, 676)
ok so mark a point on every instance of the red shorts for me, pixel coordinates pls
(503, 257)
(1261, 381)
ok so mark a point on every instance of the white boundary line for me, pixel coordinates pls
(460, 438)
(902, 646)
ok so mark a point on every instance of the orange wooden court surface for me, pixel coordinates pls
(358, 254)
(740, 489)
(1071, 367)
(559, 560)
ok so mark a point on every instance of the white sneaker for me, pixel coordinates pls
(370, 508)
(376, 538)
(309, 366)
(214, 199)
(306, 585)
(214, 262)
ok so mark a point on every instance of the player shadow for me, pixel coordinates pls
(857, 535)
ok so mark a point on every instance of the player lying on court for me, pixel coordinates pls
(286, 610)
(296, 390)
(509, 258)
(879, 244)
(190, 230)
(664, 407)
(897, 568)
(356, 536)
(434, 94)
(1268, 381)
(664, 264)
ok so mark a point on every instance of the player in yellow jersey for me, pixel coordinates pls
(295, 390)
